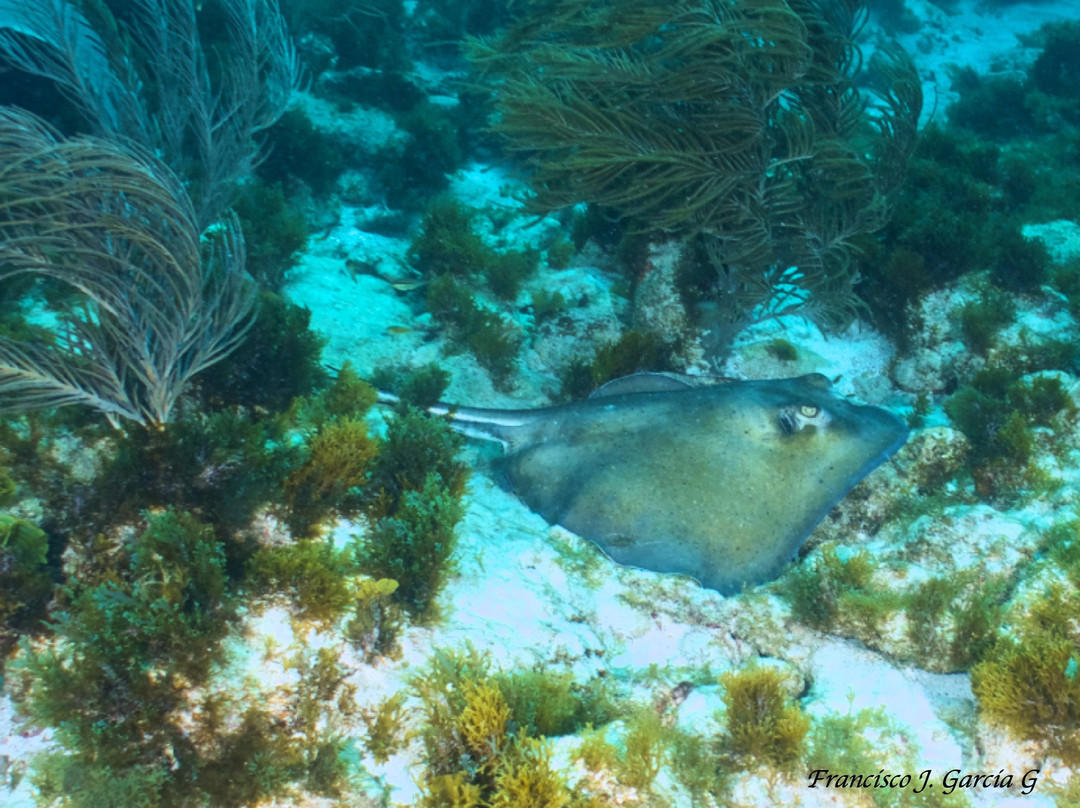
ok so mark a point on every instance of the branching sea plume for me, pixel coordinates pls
(151, 80)
(150, 300)
(135, 219)
(738, 125)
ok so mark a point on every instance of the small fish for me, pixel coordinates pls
(399, 329)
(722, 483)
(408, 285)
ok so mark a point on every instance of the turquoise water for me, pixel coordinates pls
(233, 575)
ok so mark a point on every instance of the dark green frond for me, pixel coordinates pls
(742, 123)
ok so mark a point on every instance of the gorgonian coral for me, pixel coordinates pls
(748, 126)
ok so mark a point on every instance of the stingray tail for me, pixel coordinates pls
(474, 422)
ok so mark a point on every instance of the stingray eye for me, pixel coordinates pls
(797, 417)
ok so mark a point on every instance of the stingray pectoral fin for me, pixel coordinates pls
(641, 383)
(729, 567)
(722, 558)
(657, 553)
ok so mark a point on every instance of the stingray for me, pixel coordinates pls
(722, 483)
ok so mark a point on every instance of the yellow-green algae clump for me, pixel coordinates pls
(764, 724)
(1028, 681)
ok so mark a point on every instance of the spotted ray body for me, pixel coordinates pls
(722, 482)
